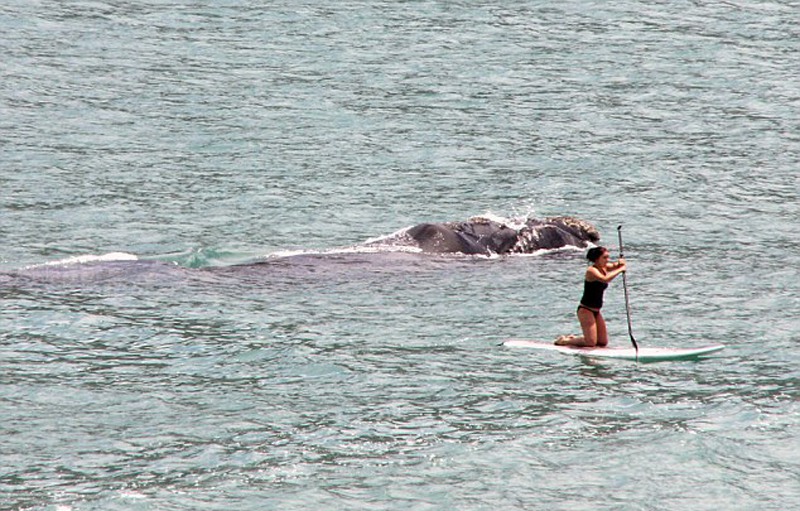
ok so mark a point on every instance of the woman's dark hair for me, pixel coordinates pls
(594, 253)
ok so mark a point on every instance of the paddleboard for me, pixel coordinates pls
(620, 353)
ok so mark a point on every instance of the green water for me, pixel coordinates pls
(188, 138)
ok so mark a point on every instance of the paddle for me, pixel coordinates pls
(627, 300)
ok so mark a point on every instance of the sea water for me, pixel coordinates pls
(152, 151)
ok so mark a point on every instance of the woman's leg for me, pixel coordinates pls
(589, 328)
(602, 332)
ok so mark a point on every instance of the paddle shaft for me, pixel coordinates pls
(627, 300)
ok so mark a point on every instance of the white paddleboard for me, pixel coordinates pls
(620, 353)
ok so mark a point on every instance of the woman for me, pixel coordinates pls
(598, 275)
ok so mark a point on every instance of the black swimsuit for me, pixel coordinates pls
(592, 299)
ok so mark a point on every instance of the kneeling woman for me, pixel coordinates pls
(598, 275)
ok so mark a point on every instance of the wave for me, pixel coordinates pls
(85, 259)
(356, 249)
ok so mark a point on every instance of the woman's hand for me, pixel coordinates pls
(619, 264)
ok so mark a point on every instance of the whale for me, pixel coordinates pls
(480, 236)
(485, 236)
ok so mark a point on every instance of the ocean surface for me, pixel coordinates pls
(190, 319)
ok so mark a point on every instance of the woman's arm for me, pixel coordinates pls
(614, 266)
(593, 273)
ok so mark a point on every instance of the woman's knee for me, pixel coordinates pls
(589, 337)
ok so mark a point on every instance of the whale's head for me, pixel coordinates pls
(581, 229)
(555, 232)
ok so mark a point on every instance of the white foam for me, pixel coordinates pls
(83, 259)
(545, 251)
(516, 223)
(395, 234)
(379, 249)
